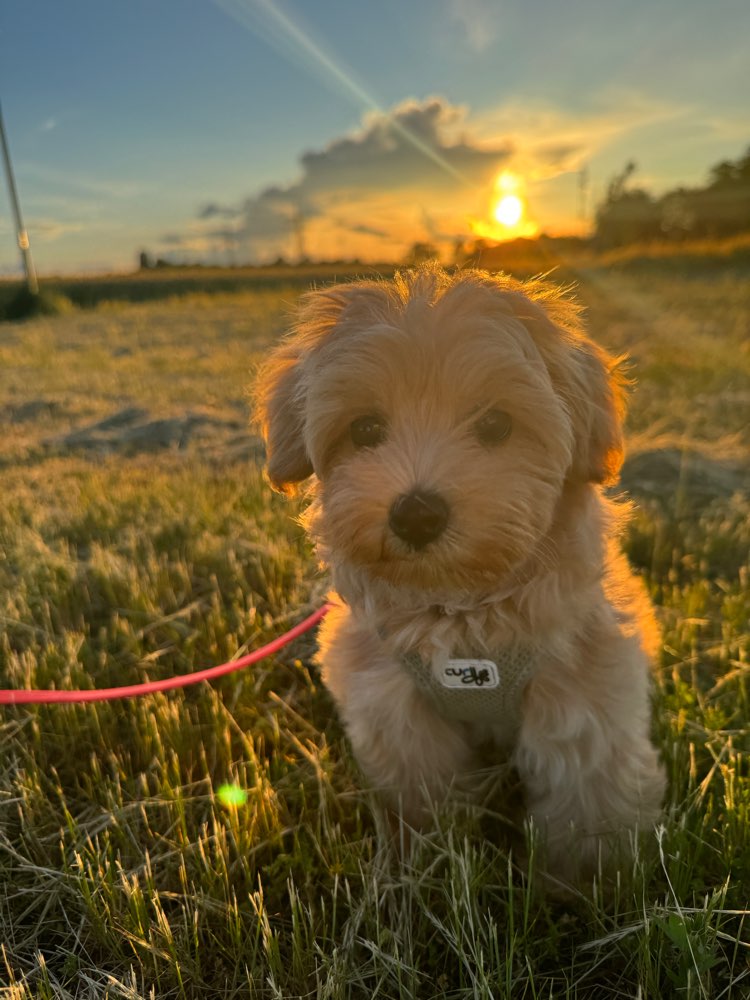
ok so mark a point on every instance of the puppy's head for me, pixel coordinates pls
(441, 417)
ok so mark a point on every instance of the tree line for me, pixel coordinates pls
(721, 208)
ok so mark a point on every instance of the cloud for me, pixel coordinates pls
(425, 171)
(551, 141)
(409, 161)
(212, 210)
(173, 240)
(416, 145)
(46, 229)
(477, 20)
(83, 184)
(364, 230)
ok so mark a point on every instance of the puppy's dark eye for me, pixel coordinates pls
(493, 427)
(367, 432)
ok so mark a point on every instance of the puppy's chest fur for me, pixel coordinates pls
(472, 664)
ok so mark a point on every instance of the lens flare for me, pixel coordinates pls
(231, 796)
(266, 18)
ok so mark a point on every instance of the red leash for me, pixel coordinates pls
(12, 697)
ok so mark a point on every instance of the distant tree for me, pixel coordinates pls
(743, 167)
(627, 215)
(419, 253)
(723, 174)
(719, 209)
(616, 187)
(677, 214)
(723, 206)
(144, 261)
(461, 251)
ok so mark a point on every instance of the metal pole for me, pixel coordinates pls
(23, 237)
(583, 193)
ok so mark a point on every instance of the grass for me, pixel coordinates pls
(138, 540)
(693, 257)
(158, 283)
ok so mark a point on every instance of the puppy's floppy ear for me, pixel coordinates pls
(279, 412)
(597, 408)
(588, 380)
(280, 387)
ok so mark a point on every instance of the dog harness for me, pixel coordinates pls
(475, 690)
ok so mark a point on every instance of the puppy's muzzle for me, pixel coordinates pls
(418, 518)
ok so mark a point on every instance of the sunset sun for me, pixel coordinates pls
(508, 215)
(508, 210)
(508, 206)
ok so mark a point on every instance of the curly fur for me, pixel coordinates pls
(529, 553)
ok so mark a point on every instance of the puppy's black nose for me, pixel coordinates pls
(419, 517)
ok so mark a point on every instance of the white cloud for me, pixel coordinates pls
(551, 141)
(477, 20)
(46, 229)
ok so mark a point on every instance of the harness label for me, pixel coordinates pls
(468, 674)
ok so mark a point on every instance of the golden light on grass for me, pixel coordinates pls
(262, 877)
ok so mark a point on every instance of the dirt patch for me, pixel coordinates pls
(131, 431)
(670, 475)
(33, 409)
(684, 477)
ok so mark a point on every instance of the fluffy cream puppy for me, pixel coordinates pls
(456, 430)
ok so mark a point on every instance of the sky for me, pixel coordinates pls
(234, 131)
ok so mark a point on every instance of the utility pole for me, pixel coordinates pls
(298, 225)
(583, 193)
(23, 237)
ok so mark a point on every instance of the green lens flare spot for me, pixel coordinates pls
(231, 796)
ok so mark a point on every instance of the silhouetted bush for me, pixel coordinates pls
(719, 210)
(24, 305)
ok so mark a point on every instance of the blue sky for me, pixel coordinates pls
(234, 129)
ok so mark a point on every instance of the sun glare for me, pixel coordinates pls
(508, 210)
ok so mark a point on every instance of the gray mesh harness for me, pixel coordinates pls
(475, 690)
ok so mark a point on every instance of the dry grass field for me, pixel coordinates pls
(138, 540)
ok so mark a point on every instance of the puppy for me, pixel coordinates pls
(456, 430)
